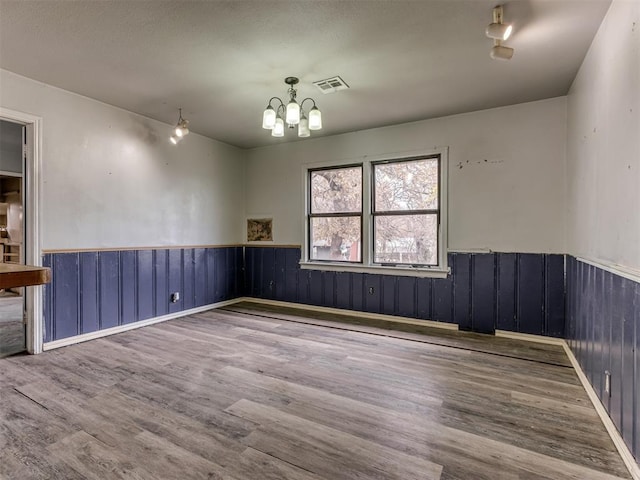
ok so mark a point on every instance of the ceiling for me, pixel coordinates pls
(221, 61)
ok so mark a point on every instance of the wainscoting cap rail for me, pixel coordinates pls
(128, 249)
(617, 269)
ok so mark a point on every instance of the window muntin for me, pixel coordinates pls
(335, 214)
(405, 211)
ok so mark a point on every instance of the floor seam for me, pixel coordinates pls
(390, 335)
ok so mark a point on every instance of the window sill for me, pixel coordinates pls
(378, 270)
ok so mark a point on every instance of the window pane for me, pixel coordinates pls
(337, 190)
(411, 239)
(410, 185)
(335, 238)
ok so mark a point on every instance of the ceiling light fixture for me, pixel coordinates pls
(499, 32)
(181, 130)
(292, 114)
(497, 29)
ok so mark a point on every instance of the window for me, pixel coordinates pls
(385, 215)
(405, 212)
(335, 214)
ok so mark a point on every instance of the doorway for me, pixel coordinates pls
(12, 238)
(30, 127)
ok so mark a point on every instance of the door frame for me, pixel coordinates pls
(32, 182)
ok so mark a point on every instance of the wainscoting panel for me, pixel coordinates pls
(483, 300)
(128, 284)
(92, 291)
(65, 294)
(461, 271)
(89, 292)
(144, 283)
(530, 282)
(510, 291)
(603, 319)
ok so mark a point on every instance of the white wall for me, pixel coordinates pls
(112, 179)
(506, 176)
(603, 148)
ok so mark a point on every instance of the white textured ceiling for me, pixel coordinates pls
(221, 61)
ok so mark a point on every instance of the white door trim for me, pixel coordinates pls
(33, 189)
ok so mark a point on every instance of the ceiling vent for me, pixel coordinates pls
(331, 85)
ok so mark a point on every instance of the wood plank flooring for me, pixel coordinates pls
(254, 392)
(12, 329)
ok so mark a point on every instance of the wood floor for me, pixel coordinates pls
(256, 393)
(12, 329)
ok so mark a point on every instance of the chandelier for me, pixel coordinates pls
(292, 114)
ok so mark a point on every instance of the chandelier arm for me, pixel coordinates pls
(308, 98)
(276, 98)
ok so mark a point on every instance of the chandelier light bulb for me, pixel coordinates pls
(303, 127)
(278, 128)
(293, 113)
(315, 119)
(269, 118)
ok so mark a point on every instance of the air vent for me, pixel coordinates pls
(331, 85)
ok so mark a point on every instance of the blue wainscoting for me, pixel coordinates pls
(603, 318)
(508, 291)
(92, 291)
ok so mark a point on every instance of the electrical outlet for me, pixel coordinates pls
(607, 382)
(175, 296)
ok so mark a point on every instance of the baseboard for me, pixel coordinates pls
(530, 338)
(352, 313)
(64, 342)
(625, 453)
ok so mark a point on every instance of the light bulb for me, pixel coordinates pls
(303, 127)
(315, 119)
(293, 113)
(278, 128)
(182, 129)
(173, 139)
(269, 118)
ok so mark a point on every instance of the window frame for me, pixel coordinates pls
(366, 264)
(375, 213)
(309, 215)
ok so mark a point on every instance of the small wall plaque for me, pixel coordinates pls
(260, 230)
